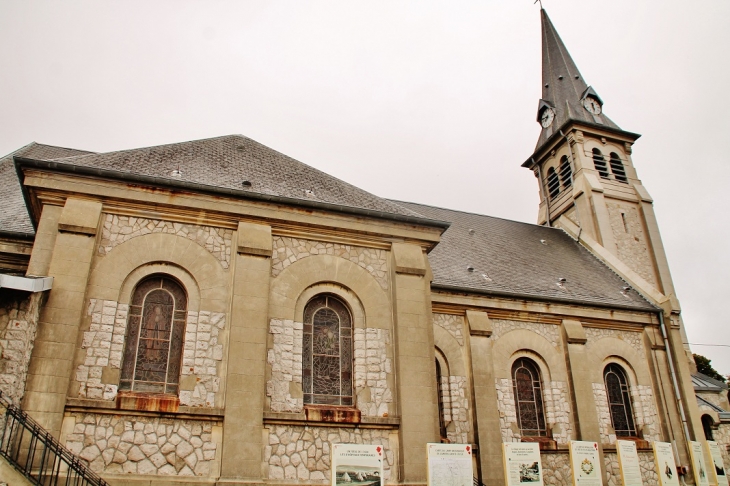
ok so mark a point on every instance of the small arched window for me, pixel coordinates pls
(553, 183)
(527, 387)
(619, 401)
(617, 167)
(566, 173)
(155, 336)
(327, 352)
(707, 426)
(440, 390)
(599, 162)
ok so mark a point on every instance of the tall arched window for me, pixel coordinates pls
(527, 387)
(617, 167)
(553, 183)
(155, 336)
(566, 173)
(599, 162)
(619, 401)
(327, 352)
(440, 390)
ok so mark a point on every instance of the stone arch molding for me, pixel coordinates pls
(613, 350)
(194, 266)
(292, 284)
(521, 342)
(451, 351)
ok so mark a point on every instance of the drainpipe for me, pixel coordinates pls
(675, 384)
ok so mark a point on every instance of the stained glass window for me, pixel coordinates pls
(327, 352)
(527, 387)
(619, 401)
(155, 335)
(440, 391)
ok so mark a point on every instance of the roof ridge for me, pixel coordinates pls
(152, 146)
(476, 214)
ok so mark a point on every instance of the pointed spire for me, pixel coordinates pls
(563, 87)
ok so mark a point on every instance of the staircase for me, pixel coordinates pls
(37, 455)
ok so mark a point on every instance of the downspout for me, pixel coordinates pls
(547, 196)
(675, 384)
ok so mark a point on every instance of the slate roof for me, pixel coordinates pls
(225, 162)
(521, 260)
(702, 382)
(13, 212)
(562, 84)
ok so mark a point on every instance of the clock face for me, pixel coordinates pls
(592, 105)
(547, 117)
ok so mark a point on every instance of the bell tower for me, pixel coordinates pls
(585, 171)
(590, 189)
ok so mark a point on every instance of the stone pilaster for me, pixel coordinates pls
(488, 433)
(416, 369)
(245, 384)
(51, 363)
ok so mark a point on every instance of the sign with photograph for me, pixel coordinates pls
(713, 452)
(628, 462)
(450, 465)
(584, 463)
(666, 468)
(522, 464)
(357, 464)
(698, 464)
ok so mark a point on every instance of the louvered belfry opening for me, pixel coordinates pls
(599, 162)
(155, 337)
(619, 401)
(327, 352)
(553, 183)
(617, 167)
(527, 387)
(566, 172)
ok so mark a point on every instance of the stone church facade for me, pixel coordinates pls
(219, 313)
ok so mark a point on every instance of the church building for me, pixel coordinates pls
(217, 312)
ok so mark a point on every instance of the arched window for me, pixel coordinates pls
(327, 352)
(440, 390)
(599, 162)
(617, 167)
(155, 336)
(566, 173)
(707, 426)
(527, 387)
(553, 183)
(619, 401)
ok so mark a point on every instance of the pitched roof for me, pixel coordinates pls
(13, 212)
(702, 382)
(225, 162)
(562, 84)
(521, 260)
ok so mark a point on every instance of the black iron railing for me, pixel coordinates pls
(34, 452)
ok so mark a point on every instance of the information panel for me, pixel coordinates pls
(628, 462)
(585, 466)
(522, 464)
(698, 464)
(713, 451)
(665, 466)
(355, 464)
(450, 465)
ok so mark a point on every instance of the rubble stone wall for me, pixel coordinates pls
(303, 453)
(19, 312)
(113, 444)
(548, 331)
(118, 229)
(288, 250)
(452, 324)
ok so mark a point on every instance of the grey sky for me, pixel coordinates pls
(432, 102)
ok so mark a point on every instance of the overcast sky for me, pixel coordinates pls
(432, 102)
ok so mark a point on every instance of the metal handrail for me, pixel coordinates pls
(36, 454)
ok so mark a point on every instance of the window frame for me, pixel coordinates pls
(538, 402)
(625, 404)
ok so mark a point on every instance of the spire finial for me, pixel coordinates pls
(538, 1)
